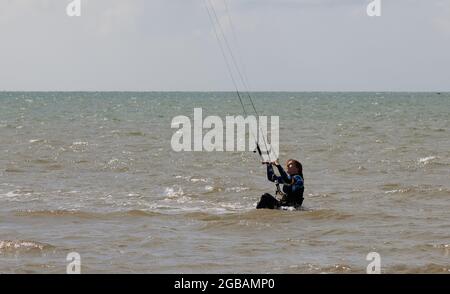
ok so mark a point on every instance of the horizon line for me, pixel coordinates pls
(222, 91)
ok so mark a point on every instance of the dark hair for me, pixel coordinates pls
(297, 165)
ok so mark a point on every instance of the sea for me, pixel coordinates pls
(95, 173)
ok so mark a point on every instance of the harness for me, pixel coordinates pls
(278, 190)
(279, 194)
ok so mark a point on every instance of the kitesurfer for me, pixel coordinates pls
(293, 186)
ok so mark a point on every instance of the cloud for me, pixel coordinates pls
(169, 45)
(442, 19)
(116, 16)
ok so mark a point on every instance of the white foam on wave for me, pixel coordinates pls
(80, 143)
(79, 146)
(192, 179)
(176, 201)
(113, 161)
(35, 141)
(237, 189)
(171, 192)
(11, 194)
(237, 206)
(195, 180)
(15, 245)
(426, 160)
(15, 194)
(397, 191)
(202, 206)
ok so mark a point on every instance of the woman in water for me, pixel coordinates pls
(293, 186)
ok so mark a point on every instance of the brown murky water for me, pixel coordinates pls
(94, 173)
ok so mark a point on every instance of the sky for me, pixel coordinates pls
(169, 45)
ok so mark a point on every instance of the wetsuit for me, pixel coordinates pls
(293, 188)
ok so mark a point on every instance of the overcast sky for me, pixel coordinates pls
(288, 45)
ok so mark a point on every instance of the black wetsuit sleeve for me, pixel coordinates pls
(270, 173)
(286, 179)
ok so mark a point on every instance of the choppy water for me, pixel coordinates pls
(94, 173)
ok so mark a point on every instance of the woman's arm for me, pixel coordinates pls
(270, 173)
(285, 178)
(271, 176)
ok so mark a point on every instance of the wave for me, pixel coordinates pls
(430, 268)
(85, 214)
(435, 161)
(170, 192)
(310, 268)
(417, 190)
(33, 141)
(442, 247)
(177, 201)
(15, 194)
(236, 215)
(12, 246)
(14, 170)
(43, 161)
(426, 160)
(55, 213)
(138, 213)
(237, 189)
(339, 268)
(327, 214)
(135, 134)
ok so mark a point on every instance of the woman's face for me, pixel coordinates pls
(291, 169)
